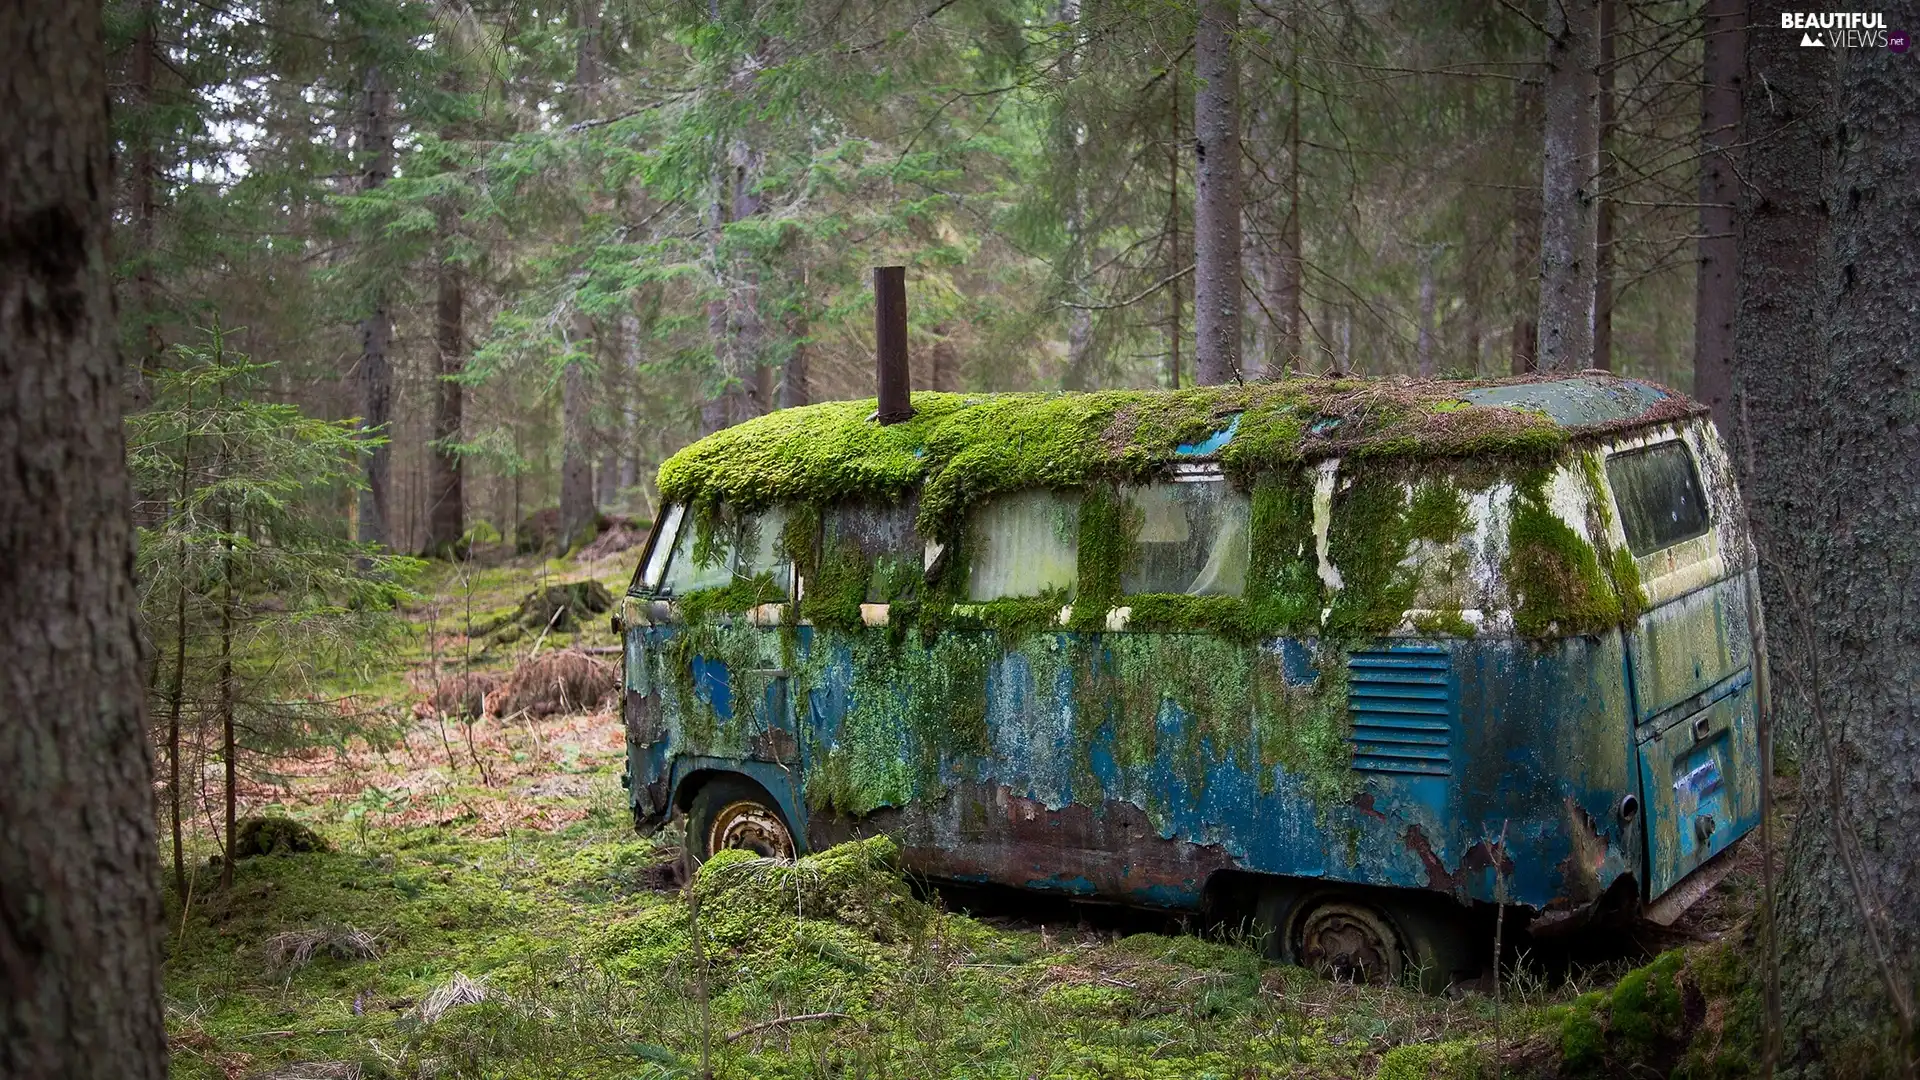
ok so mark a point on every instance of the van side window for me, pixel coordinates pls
(1023, 544)
(1657, 490)
(882, 535)
(1192, 539)
(740, 548)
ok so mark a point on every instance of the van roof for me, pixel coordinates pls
(959, 447)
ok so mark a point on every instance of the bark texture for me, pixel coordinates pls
(79, 892)
(1716, 287)
(1829, 372)
(1217, 195)
(1569, 167)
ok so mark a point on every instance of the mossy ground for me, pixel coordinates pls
(508, 859)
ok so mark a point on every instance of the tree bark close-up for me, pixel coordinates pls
(79, 888)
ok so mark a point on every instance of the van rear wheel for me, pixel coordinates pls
(1347, 941)
(734, 813)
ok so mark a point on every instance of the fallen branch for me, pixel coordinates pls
(781, 1021)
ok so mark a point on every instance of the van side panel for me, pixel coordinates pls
(1493, 771)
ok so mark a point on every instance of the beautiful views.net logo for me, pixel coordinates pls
(1840, 29)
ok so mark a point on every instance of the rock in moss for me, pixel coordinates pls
(857, 883)
(272, 835)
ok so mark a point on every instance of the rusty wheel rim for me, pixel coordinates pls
(1349, 943)
(748, 826)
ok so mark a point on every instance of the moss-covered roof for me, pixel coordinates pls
(964, 446)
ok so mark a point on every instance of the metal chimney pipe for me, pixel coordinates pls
(890, 340)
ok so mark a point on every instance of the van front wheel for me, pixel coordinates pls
(733, 813)
(1347, 942)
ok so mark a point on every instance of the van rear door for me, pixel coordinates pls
(1689, 654)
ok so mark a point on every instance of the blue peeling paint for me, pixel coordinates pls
(1212, 443)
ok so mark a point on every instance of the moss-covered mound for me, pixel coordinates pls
(961, 447)
(270, 835)
(856, 883)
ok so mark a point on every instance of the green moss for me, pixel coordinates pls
(1436, 513)
(960, 448)
(1178, 613)
(1583, 1043)
(1645, 1006)
(1284, 592)
(1434, 1061)
(1443, 622)
(1553, 574)
(1109, 526)
(1367, 538)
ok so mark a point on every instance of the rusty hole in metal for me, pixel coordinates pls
(746, 825)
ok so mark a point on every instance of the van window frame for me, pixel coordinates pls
(1693, 477)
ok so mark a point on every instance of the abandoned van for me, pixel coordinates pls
(1364, 656)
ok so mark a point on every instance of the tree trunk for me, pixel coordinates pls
(176, 692)
(578, 517)
(717, 411)
(145, 211)
(746, 331)
(1423, 347)
(1069, 136)
(1569, 167)
(229, 751)
(1525, 343)
(1603, 186)
(1217, 197)
(1825, 364)
(1716, 285)
(375, 376)
(446, 495)
(79, 882)
(796, 382)
(1175, 263)
(1284, 257)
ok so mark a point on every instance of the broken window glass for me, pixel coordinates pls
(1658, 492)
(1024, 544)
(1192, 539)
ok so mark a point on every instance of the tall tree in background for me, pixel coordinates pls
(1716, 288)
(1827, 358)
(79, 892)
(1570, 166)
(1525, 336)
(1217, 194)
(374, 376)
(1603, 191)
(578, 515)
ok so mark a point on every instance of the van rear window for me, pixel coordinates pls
(1658, 492)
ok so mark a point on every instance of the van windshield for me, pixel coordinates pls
(1658, 493)
(740, 548)
(1192, 539)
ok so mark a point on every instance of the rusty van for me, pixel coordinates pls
(1363, 656)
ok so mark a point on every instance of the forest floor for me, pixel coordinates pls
(486, 910)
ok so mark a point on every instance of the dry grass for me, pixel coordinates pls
(559, 682)
(290, 951)
(451, 994)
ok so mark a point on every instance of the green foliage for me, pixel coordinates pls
(241, 561)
